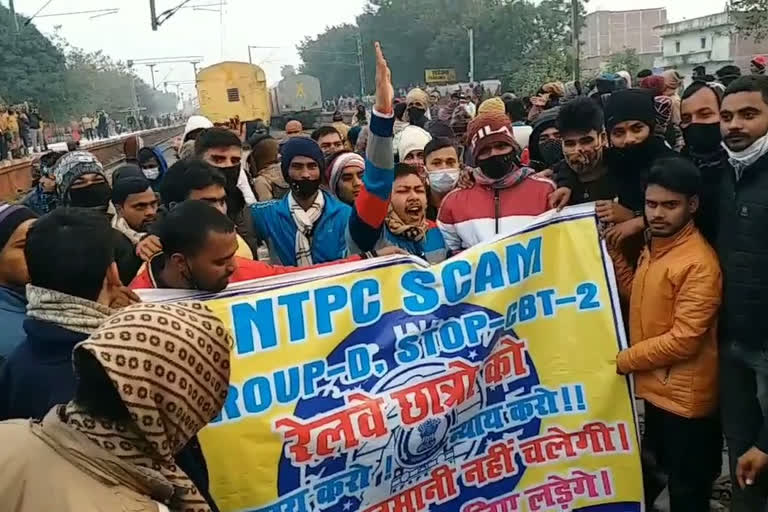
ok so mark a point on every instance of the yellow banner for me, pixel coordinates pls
(440, 76)
(485, 383)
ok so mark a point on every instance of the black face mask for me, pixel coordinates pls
(416, 116)
(498, 166)
(92, 196)
(551, 151)
(304, 189)
(231, 173)
(703, 137)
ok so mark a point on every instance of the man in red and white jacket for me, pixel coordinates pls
(505, 196)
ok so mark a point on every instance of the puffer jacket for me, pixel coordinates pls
(50, 466)
(674, 298)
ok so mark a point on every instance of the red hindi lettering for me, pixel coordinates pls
(506, 362)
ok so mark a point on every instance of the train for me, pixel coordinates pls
(296, 96)
(233, 89)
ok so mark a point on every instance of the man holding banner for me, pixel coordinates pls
(674, 297)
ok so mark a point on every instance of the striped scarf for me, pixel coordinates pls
(170, 366)
(305, 224)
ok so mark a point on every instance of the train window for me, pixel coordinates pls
(233, 95)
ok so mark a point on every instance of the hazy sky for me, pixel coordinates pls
(279, 23)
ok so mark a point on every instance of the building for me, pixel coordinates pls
(606, 33)
(707, 41)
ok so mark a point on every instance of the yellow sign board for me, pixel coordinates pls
(440, 76)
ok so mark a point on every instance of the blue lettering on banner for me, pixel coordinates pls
(416, 340)
(546, 302)
(459, 278)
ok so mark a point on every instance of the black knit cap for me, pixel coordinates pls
(11, 216)
(630, 105)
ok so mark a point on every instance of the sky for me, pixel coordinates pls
(213, 37)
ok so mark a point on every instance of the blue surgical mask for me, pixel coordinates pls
(443, 181)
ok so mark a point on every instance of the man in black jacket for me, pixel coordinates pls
(742, 246)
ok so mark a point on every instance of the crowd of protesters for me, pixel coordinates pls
(679, 181)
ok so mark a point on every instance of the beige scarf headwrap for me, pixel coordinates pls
(170, 366)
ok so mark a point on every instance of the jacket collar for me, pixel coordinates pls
(78, 450)
(13, 299)
(659, 246)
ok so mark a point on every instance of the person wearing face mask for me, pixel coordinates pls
(307, 226)
(416, 107)
(390, 210)
(505, 195)
(545, 147)
(743, 250)
(153, 165)
(200, 252)
(81, 182)
(222, 149)
(630, 119)
(583, 171)
(700, 122)
(443, 170)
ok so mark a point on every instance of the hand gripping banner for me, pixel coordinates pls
(486, 383)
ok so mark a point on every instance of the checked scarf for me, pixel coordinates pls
(305, 224)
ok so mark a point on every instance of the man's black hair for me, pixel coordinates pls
(677, 174)
(323, 131)
(123, 188)
(697, 86)
(402, 169)
(69, 250)
(580, 115)
(515, 109)
(185, 229)
(215, 138)
(749, 83)
(437, 144)
(644, 73)
(187, 175)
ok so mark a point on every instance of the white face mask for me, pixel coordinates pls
(151, 173)
(443, 181)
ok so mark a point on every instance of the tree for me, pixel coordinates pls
(750, 17)
(627, 60)
(287, 70)
(64, 81)
(509, 38)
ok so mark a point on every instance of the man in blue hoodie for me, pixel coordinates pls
(308, 225)
(14, 223)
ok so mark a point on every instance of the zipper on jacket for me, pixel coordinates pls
(496, 208)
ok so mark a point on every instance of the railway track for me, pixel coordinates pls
(16, 178)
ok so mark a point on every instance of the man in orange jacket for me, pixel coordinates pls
(674, 296)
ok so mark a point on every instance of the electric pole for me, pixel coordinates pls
(575, 28)
(153, 13)
(152, 72)
(360, 64)
(14, 20)
(471, 33)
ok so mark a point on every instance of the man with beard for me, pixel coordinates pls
(630, 118)
(583, 171)
(743, 250)
(700, 122)
(223, 150)
(390, 209)
(307, 226)
(505, 194)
